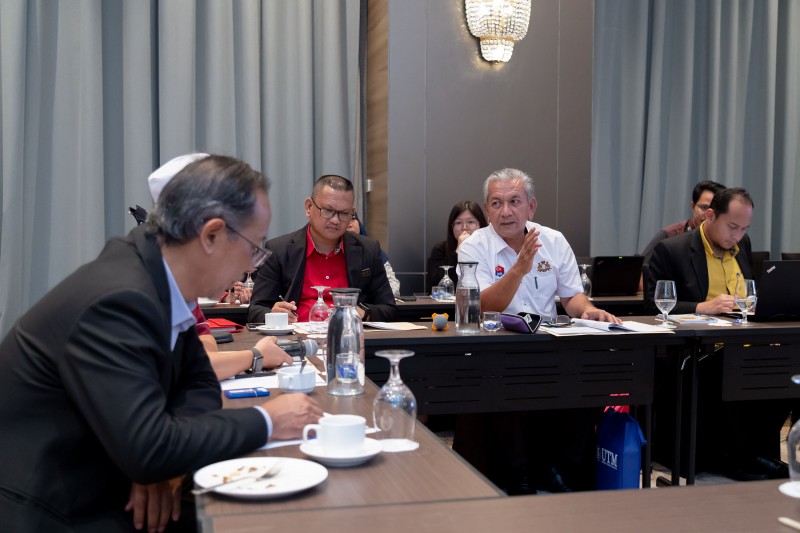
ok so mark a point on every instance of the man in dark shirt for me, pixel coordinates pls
(706, 264)
(323, 253)
(104, 382)
(702, 195)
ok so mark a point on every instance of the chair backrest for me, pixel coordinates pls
(139, 213)
(790, 256)
(756, 262)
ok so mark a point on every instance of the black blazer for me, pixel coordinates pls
(283, 274)
(683, 259)
(92, 397)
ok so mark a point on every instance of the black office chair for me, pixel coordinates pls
(756, 262)
(790, 256)
(139, 213)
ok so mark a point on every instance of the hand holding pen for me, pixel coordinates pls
(286, 307)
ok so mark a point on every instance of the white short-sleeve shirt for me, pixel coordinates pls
(554, 272)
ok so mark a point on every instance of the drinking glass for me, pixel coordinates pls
(745, 297)
(320, 311)
(394, 410)
(666, 298)
(447, 289)
(585, 281)
(491, 321)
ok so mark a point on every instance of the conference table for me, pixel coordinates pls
(434, 489)
(733, 507)
(506, 371)
(757, 363)
(430, 473)
(503, 371)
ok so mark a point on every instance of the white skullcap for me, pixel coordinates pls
(161, 176)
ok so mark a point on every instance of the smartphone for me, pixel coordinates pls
(404, 298)
(247, 393)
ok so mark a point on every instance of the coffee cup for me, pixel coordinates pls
(338, 434)
(291, 380)
(276, 320)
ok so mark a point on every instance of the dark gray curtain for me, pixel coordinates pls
(687, 90)
(96, 94)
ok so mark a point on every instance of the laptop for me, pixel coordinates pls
(778, 292)
(616, 275)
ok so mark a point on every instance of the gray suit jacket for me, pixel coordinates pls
(91, 397)
(283, 274)
(683, 259)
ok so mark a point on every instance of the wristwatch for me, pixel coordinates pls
(367, 311)
(258, 361)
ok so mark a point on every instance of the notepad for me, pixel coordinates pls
(223, 324)
(691, 318)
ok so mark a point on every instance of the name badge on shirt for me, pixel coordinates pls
(499, 271)
(543, 266)
(366, 273)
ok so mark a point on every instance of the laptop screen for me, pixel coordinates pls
(616, 275)
(778, 292)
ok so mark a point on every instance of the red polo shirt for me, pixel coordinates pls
(329, 270)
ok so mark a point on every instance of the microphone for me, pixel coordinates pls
(299, 349)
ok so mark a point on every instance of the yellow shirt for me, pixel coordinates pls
(722, 271)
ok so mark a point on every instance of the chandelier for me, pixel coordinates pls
(498, 24)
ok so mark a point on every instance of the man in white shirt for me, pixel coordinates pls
(522, 266)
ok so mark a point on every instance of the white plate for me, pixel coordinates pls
(295, 475)
(370, 449)
(790, 488)
(274, 331)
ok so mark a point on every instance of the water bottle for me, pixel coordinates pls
(468, 300)
(345, 345)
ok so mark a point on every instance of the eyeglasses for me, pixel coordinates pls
(461, 223)
(260, 254)
(344, 216)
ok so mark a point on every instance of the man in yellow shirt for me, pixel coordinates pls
(740, 438)
(705, 262)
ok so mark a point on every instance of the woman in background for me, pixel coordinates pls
(465, 217)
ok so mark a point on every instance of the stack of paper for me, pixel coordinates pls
(594, 327)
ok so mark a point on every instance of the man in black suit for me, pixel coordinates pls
(323, 253)
(705, 265)
(705, 262)
(104, 382)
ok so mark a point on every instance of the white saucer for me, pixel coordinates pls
(370, 449)
(274, 331)
(790, 488)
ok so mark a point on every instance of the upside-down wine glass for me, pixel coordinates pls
(394, 410)
(745, 297)
(320, 312)
(665, 298)
(447, 289)
(585, 281)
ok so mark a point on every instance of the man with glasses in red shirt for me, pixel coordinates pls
(323, 253)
